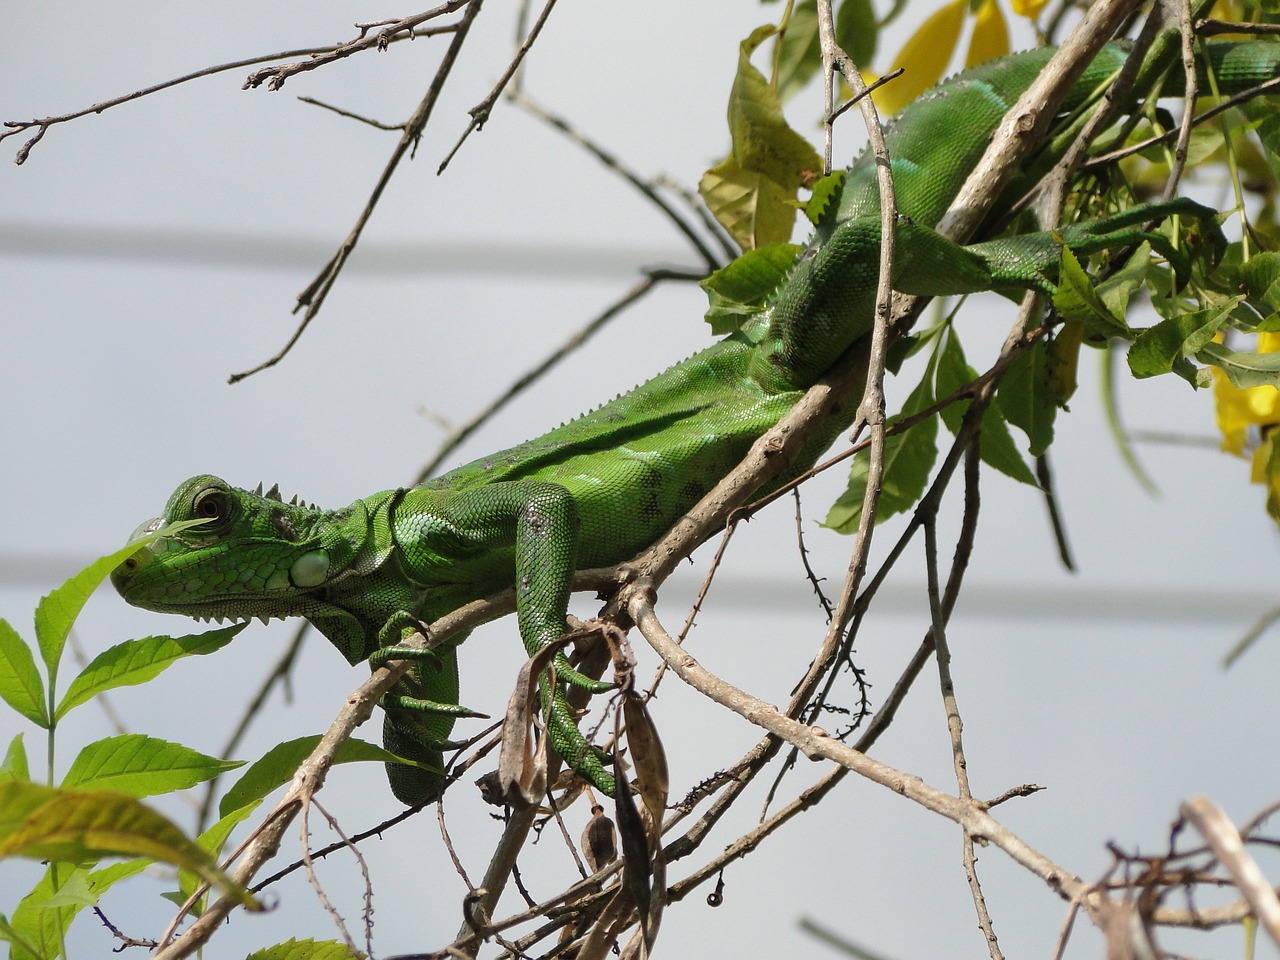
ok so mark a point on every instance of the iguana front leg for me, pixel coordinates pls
(486, 534)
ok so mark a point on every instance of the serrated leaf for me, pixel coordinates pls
(1165, 347)
(908, 458)
(142, 766)
(1077, 300)
(281, 762)
(306, 950)
(1243, 369)
(1026, 398)
(137, 661)
(81, 826)
(57, 610)
(741, 289)
(20, 683)
(14, 766)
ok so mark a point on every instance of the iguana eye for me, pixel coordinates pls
(210, 505)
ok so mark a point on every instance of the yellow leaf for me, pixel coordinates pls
(82, 826)
(923, 57)
(1028, 8)
(751, 192)
(751, 206)
(990, 37)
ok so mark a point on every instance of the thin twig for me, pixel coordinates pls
(1221, 835)
(1107, 159)
(18, 126)
(304, 834)
(275, 77)
(368, 121)
(313, 297)
(481, 111)
(611, 161)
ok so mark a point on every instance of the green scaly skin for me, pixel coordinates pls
(598, 490)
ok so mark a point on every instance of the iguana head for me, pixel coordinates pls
(257, 556)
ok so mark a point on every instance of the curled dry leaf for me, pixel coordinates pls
(649, 760)
(636, 867)
(522, 771)
(599, 840)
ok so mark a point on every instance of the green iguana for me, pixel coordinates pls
(599, 489)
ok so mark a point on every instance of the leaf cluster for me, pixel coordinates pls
(95, 812)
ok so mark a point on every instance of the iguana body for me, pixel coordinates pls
(599, 489)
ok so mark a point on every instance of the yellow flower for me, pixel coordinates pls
(1246, 418)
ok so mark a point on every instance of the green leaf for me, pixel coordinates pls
(1133, 277)
(142, 766)
(857, 30)
(1166, 346)
(1266, 115)
(823, 193)
(1077, 300)
(750, 193)
(212, 842)
(58, 610)
(306, 950)
(1115, 426)
(908, 458)
(1261, 277)
(1243, 369)
(281, 762)
(137, 661)
(44, 915)
(74, 892)
(740, 289)
(14, 765)
(81, 826)
(20, 683)
(801, 53)
(996, 443)
(23, 949)
(38, 922)
(1026, 399)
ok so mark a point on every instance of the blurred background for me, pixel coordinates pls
(148, 253)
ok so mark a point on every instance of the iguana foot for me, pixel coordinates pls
(419, 705)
